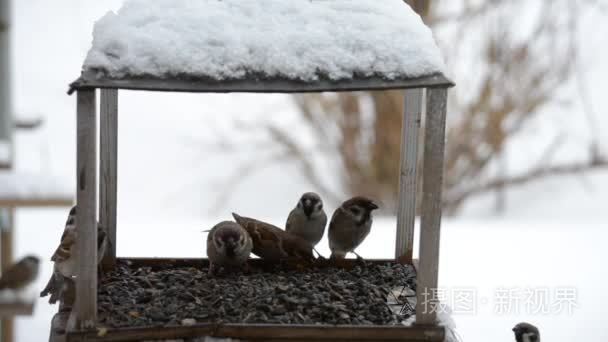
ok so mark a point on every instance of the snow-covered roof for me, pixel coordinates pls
(306, 41)
(30, 189)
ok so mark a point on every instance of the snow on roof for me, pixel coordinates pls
(230, 39)
(23, 188)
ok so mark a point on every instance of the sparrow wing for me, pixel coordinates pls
(291, 221)
(336, 222)
(266, 238)
(64, 251)
(102, 243)
(297, 247)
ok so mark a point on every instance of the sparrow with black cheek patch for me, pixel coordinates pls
(21, 274)
(308, 219)
(349, 226)
(64, 261)
(273, 243)
(526, 332)
(228, 246)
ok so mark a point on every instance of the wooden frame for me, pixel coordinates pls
(84, 312)
(90, 80)
(430, 226)
(9, 310)
(406, 213)
(265, 332)
(268, 332)
(108, 149)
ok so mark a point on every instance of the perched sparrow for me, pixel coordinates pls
(273, 243)
(228, 246)
(64, 262)
(349, 226)
(307, 220)
(21, 274)
(526, 332)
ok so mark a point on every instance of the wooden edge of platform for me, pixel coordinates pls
(18, 308)
(197, 262)
(36, 202)
(266, 332)
(274, 332)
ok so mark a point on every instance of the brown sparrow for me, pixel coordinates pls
(308, 219)
(349, 226)
(273, 243)
(64, 262)
(21, 274)
(526, 332)
(228, 246)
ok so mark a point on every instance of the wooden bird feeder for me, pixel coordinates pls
(430, 86)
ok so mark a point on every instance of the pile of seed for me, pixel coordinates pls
(142, 296)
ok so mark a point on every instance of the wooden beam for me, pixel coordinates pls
(108, 155)
(85, 308)
(36, 202)
(9, 310)
(268, 332)
(7, 324)
(406, 211)
(434, 143)
(91, 79)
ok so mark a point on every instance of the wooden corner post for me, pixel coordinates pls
(434, 144)
(406, 211)
(84, 313)
(108, 137)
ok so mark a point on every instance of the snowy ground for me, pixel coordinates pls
(551, 237)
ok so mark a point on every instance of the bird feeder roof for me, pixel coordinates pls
(262, 46)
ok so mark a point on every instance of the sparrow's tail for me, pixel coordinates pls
(237, 217)
(54, 287)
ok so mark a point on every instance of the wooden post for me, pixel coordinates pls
(434, 143)
(7, 328)
(107, 187)
(406, 212)
(85, 309)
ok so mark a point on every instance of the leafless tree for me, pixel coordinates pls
(509, 60)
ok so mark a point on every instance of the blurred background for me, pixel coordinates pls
(526, 179)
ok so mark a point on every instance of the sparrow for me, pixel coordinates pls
(349, 226)
(21, 274)
(308, 219)
(63, 259)
(273, 243)
(526, 332)
(228, 246)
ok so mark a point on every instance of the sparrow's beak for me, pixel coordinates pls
(373, 206)
(308, 207)
(230, 247)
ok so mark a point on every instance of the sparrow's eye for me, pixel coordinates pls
(320, 206)
(355, 210)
